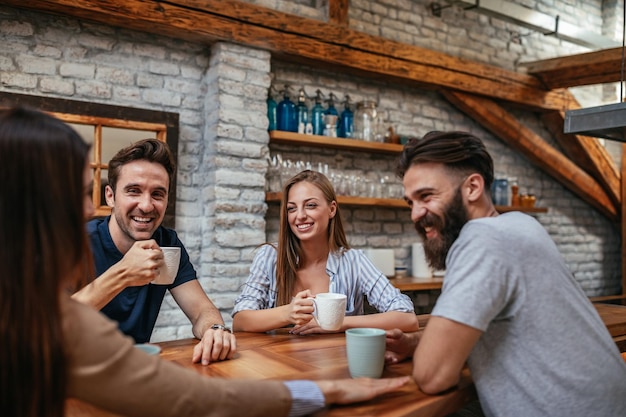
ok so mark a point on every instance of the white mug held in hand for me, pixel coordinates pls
(171, 256)
(365, 348)
(330, 308)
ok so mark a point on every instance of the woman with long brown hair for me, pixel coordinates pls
(313, 256)
(42, 239)
(53, 347)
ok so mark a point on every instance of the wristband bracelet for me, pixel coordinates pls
(221, 327)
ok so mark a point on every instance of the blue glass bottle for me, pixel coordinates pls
(271, 110)
(331, 106)
(346, 120)
(302, 112)
(286, 113)
(317, 115)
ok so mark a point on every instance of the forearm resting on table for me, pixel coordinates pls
(261, 320)
(407, 322)
(441, 354)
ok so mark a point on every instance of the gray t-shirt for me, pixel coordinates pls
(545, 350)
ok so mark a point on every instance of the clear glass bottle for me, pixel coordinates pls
(365, 120)
(302, 111)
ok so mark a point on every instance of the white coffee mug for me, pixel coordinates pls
(330, 309)
(171, 256)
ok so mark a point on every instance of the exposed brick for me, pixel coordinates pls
(74, 70)
(93, 89)
(57, 86)
(17, 80)
(164, 68)
(162, 97)
(13, 28)
(117, 76)
(36, 65)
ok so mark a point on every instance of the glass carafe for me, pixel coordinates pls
(365, 121)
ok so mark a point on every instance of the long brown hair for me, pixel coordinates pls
(289, 248)
(43, 249)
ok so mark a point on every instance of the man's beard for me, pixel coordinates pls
(448, 230)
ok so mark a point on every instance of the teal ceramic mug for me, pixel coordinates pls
(365, 348)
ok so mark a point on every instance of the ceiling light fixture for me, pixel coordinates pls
(608, 121)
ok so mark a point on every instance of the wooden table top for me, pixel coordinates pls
(279, 355)
(614, 317)
(417, 284)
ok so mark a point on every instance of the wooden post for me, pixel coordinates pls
(338, 12)
(623, 222)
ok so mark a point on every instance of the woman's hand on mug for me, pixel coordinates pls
(301, 308)
(309, 328)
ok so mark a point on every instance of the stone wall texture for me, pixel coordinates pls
(219, 91)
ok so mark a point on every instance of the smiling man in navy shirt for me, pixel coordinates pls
(127, 255)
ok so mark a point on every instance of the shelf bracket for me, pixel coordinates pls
(436, 8)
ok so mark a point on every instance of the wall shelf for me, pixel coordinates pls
(291, 138)
(274, 197)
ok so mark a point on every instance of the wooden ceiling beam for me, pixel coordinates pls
(623, 188)
(589, 154)
(311, 41)
(597, 67)
(506, 127)
(346, 37)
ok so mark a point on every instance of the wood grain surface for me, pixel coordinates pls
(279, 355)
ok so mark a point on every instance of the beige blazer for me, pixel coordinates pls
(104, 369)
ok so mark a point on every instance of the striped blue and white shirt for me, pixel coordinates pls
(350, 272)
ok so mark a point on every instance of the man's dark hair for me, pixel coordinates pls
(151, 150)
(458, 151)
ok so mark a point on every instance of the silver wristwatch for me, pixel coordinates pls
(221, 327)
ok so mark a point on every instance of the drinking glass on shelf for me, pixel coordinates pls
(273, 179)
(376, 190)
(273, 174)
(338, 182)
(396, 190)
(288, 170)
(357, 186)
(323, 168)
(384, 186)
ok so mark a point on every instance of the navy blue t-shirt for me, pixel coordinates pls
(135, 308)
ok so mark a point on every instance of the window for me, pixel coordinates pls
(108, 129)
(106, 137)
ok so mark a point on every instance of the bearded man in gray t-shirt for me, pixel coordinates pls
(509, 306)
